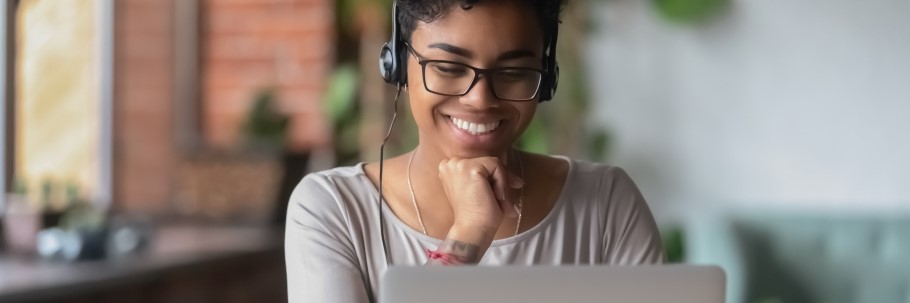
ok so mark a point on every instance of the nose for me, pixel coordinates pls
(480, 96)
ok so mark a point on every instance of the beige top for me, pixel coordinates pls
(334, 253)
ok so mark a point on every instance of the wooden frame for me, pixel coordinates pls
(7, 92)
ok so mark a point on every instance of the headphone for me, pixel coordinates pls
(393, 59)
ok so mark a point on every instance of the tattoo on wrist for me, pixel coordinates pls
(441, 258)
(462, 252)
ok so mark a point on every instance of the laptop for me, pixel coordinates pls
(561, 284)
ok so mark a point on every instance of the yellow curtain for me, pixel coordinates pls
(57, 97)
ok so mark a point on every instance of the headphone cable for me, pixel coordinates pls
(385, 248)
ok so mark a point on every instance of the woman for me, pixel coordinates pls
(474, 72)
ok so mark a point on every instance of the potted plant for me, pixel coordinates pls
(25, 215)
(239, 185)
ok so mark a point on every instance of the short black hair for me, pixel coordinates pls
(410, 11)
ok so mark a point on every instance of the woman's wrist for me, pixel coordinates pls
(484, 226)
(467, 244)
(471, 233)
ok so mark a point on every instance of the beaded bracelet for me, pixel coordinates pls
(443, 258)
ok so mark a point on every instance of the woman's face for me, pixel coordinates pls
(492, 34)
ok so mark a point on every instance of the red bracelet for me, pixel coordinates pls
(444, 258)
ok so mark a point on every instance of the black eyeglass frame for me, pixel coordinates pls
(486, 72)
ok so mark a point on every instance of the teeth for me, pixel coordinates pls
(475, 128)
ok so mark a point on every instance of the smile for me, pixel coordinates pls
(473, 127)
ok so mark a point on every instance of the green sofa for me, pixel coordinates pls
(806, 258)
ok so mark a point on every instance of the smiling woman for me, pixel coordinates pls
(474, 72)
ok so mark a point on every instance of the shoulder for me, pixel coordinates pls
(330, 193)
(605, 198)
(330, 182)
(604, 191)
(582, 179)
(339, 179)
(600, 179)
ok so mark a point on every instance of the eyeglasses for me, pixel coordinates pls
(449, 78)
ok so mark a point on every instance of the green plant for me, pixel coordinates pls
(265, 127)
(341, 108)
(47, 192)
(689, 11)
(674, 244)
(19, 186)
(79, 214)
(84, 216)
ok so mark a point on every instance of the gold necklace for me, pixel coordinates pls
(521, 196)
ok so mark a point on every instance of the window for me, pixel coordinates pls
(61, 101)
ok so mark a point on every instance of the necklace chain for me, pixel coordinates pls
(521, 196)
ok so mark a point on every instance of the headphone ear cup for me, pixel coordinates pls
(548, 85)
(387, 64)
(554, 79)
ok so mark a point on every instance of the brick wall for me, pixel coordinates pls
(244, 45)
(251, 44)
(144, 149)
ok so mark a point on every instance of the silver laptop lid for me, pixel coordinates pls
(640, 284)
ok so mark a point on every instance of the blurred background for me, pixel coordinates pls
(150, 146)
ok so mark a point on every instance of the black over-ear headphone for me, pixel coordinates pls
(391, 63)
(393, 59)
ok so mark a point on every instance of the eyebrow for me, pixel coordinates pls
(509, 55)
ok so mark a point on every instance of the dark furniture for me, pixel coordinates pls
(181, 264)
